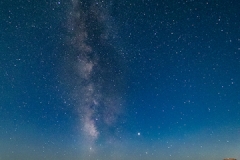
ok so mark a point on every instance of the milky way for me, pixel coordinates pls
(98, 78)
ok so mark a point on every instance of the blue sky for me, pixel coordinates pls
(119, 80)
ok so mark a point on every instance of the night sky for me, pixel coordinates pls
(119, 80)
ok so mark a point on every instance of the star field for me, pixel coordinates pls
(96, 80)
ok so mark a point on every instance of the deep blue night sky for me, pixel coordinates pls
(97, 80)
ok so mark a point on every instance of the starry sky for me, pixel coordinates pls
(117, 80)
